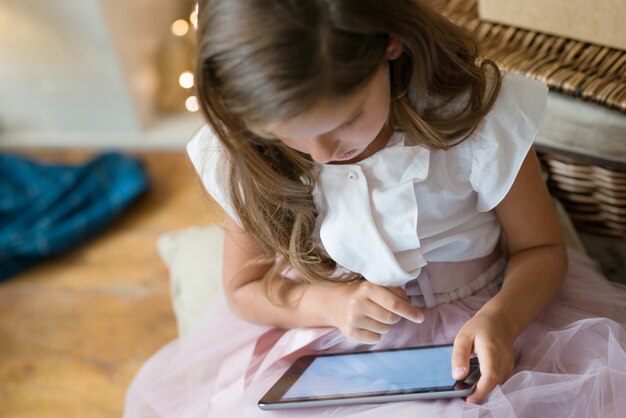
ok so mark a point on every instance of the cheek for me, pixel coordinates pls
(298, 145)
(367, 130)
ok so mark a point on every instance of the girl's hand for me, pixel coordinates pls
(365, 311)
(491, 339)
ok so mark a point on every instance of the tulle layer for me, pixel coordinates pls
(570, 362)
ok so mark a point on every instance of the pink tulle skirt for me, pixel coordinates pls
(570, 362)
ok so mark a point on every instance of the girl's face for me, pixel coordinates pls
(341, 132)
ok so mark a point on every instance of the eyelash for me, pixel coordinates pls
(352, 122)
(272, 138)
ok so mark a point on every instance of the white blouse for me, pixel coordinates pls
(389, 215)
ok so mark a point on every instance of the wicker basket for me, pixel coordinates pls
(594, 196)
(590, 72)
(592, 190)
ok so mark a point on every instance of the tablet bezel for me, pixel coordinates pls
(273, 399)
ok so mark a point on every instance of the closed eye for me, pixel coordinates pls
(353, 121)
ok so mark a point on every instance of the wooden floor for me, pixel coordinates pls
(74, 330)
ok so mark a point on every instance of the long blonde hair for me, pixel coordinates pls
(264, 61)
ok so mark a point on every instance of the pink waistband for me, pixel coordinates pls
(447, 281)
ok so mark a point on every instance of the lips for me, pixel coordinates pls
(347, 155)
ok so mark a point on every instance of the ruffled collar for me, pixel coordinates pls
(367, 219)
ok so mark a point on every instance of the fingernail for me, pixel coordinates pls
(459, 373)
(419, 319)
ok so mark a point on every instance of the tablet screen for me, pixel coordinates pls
(396, 371)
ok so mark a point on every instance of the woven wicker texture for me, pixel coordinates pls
(594, 197)
(590, 72)
(593, 193)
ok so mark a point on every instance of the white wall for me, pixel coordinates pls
(79, 67)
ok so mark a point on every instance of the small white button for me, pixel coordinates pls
(352, 175)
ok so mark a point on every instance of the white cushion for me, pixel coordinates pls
(194, 259)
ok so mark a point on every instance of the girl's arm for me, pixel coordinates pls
(361, 310)
(536, 269)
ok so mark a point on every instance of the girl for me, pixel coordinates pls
(381, 191)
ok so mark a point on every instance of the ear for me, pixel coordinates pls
(394, 47)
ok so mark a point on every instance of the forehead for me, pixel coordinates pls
(325, 116)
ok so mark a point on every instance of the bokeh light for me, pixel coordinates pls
(193, 18)
(192, 104)
(186, 80)
(180, 27)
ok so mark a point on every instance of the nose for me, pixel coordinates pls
(322, 148)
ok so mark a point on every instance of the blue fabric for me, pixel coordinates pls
(46, 209)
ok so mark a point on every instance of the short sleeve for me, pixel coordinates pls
(505, 137)
(209, 160)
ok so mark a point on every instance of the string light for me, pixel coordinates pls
(193, 18)
(192, 104)
(180, 27)
(186, 80)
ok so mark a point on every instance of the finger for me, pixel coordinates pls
(363, 336)
(488, 379)
(399, 292)
(461, 352)
(380, 314)
(394, 303)
(369, 324)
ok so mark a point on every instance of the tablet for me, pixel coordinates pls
(369, 377)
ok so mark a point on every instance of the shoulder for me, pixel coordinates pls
(521, 92)
(513, 120)
(495, 151)
(204, 146)
(211, 163)
(519, 108)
